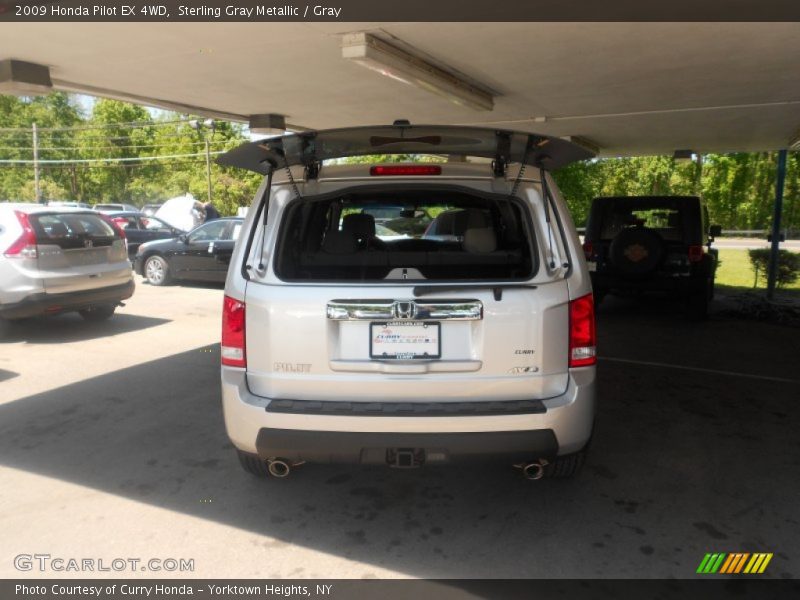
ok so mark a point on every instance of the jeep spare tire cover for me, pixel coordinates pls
(636, 251)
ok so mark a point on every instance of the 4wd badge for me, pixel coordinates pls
(636, 253)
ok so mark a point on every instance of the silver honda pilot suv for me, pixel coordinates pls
(408, 314)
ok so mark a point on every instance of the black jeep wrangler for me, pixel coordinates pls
(637, 244)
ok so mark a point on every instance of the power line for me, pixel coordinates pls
(126, 124)
(136, 146)
(92, 160)
(63, 167)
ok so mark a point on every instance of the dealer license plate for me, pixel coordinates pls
(405, 340)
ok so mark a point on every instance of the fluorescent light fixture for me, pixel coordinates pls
(270, 124)
(21, 78)
(375, 54)
(584, 143)
(794, 143)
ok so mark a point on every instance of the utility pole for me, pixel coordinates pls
(776, 225)
(37, 189)
(202, 128)
(208, 167)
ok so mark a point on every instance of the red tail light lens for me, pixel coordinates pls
(115, 226)
(25, 245)
(233, 333)
(588, 250)
(695, 253)
(406, 170)
(582, 334)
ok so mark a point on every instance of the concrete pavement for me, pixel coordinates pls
(112, 445)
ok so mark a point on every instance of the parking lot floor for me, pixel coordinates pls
(112, 445)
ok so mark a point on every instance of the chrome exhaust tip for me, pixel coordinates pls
(534, 470)
(278, 468)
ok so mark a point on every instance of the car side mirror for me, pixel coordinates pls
(183, 238)
(715, 230)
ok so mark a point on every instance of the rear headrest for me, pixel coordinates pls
(339, 242)
(456, 222)
(58, 230)
(480, 241)
(361, 225)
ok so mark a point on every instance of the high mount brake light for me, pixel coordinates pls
(233, 340)
(405, 170)
(582, 333)
(25, 245)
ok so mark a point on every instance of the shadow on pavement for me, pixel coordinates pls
(682, 464)
(4, 375)
(71, 327)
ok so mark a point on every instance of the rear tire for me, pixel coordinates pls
(5, 327)
(98, 313)
(252, 464)
(565, 467)
(697, 303)
(156, 270)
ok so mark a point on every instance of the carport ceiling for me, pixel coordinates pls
(631, 88)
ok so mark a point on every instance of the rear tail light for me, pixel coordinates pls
(582, 334)
(588, 250)
(406, 170)
(233, 333)
(25, 245)
(115, 226)
(695, 253)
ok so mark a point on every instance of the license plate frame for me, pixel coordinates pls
(412, 354)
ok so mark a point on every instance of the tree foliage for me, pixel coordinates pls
(739, 188)
(142, 177)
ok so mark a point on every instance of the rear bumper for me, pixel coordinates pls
(42, 303)
(378, 448)
(678, 284)
(563, 427)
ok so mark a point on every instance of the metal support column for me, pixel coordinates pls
(772, 271)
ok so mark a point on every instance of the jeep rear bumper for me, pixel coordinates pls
(563, 427)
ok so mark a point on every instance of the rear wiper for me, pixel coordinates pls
(423, 290)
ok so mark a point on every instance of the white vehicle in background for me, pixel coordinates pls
(60, 259)
(182, 212)
(476, 343)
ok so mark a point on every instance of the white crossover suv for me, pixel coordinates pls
(408, 314)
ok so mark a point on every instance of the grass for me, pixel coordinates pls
(735, 273)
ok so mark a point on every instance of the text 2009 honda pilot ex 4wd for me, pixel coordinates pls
(408, 314)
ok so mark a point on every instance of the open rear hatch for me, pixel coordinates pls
(312, 147)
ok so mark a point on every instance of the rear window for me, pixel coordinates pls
(412, 235)
(665, 216)
(72, 230)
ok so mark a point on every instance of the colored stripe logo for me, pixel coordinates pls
(734, 563)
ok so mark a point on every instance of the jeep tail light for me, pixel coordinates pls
(25, 245)
(588, 250)
(695, 253)
(233, 333)
(406, 170)
(582, 334)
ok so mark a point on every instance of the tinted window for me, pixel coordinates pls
(209, 232)
(666, 216)
(154, 224)
(71, 230)
(420, 235)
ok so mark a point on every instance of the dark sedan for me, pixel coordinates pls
(202, 254)
(140, 228)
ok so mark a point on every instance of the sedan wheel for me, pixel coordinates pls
(156, 271)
